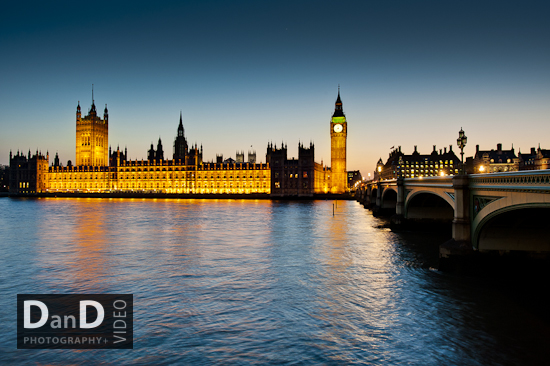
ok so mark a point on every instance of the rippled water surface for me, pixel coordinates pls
(255, 282)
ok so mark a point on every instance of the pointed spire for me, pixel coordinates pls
(180, 126)
(93, 110)
(338, 110)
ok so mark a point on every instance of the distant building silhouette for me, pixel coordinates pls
(418, 165)
(499, 160)
(353, 177)
(28, 174)
(296, 177)
(180, 144)
(492, 161)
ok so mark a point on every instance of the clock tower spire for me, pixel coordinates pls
(338, 139)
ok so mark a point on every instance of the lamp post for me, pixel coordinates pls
(461, 142)
(379, 189)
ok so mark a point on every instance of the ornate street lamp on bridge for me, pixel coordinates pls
(461, 142)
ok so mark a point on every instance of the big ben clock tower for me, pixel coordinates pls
(338, 137)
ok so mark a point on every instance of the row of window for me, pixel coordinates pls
(292, 185)
(152, 185)
(154, 167)
(428, 170)
(152, 176)
(86, 140)
(436, 165)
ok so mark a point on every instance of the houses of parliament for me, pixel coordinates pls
(99, 169)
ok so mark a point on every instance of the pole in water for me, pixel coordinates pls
(333, 209)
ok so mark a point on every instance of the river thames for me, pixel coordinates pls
(260, 282)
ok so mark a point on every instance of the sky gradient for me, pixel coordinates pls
(248, 72)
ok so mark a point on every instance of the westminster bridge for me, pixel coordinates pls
(489, 212)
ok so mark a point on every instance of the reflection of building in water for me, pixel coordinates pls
(100, 169)
(90, 255)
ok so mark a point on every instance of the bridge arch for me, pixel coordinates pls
(512, 227)
(389, 198)
(373, 194)
(424, 204)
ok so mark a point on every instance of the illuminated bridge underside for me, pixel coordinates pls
(505, 211)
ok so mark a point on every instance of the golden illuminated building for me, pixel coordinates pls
(98, 169)
(166, 176)
(338, 137)
(207, 178)
(184, 173)
(92, 137)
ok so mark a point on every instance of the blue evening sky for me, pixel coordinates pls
(248, 72)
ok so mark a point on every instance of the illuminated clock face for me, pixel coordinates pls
(338, 128)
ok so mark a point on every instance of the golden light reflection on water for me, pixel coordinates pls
(251, 282)
(357, 258)
(96, 236)
(77, 241)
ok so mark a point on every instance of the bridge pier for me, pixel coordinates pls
(459, 248)
(361, 196)
(367, 202)
(376, 206)
(399, 218)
